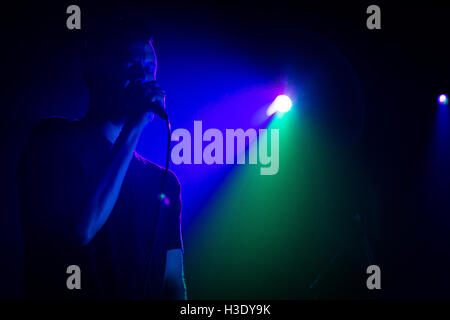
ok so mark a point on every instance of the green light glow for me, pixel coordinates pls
(265, 237)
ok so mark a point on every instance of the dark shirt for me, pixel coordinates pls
(55, 175)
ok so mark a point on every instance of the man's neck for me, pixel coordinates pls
(111, 130)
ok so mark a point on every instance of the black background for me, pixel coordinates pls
(402, 68)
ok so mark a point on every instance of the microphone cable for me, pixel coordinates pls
(161, 198)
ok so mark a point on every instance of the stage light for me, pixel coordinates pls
(282, 103)
(443, 99)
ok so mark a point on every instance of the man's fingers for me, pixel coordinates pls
(155, 88)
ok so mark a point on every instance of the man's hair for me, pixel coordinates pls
(109, 36)
(106, 40)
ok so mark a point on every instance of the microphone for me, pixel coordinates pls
(135, 76)
(157, 107)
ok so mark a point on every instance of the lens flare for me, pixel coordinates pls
(164, 199)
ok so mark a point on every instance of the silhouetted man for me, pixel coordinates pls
(89, 200)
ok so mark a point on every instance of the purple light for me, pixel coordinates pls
(443, 99)
(164, 199)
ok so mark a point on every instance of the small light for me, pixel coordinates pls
(443, 99)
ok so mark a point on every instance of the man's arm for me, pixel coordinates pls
(53, 182)
(73, 206)
(108, 183)
(174, 286)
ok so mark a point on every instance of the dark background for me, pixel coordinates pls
(402, 69)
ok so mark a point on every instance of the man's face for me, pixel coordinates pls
(115, 71)
(140, 62)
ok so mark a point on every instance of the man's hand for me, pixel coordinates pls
(145, 98)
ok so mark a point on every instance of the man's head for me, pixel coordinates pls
(116, 56)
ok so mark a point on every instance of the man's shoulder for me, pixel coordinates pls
(54, 123)
(55, 127)
(47, 140)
